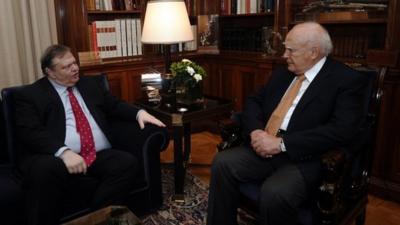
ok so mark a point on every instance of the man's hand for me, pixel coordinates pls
(74, 162)
(264, 144)
(143, 117)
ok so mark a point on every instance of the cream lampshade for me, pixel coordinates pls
(166, 22)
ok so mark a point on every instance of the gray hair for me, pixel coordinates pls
(317, 34)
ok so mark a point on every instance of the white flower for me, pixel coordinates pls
(190, 70)
(186, 60)
(197, 77)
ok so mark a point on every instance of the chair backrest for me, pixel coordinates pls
(7, 95)
(363, 147)
(8, 109)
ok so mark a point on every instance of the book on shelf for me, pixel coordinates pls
(124, 46)
(118, 37)
(139, 36)
(115, 38)
(242, 39)
(134, 38)
(226, 7)
(246, 6)
(129, 36)
(129, 5)
(109, 5)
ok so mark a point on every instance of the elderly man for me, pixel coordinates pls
(62, 125)
(313, 105)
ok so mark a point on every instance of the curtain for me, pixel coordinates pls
(27, 27)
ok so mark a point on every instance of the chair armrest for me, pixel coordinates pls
(333, 163)
(128, 136)
(231, 134)
(145, 144)
(330, 196)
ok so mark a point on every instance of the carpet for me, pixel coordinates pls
(193, 211)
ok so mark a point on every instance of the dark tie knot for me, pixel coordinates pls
(69, 89)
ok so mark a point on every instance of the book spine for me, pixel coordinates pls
(117, 24)
(139, 36)
(124, 47)
(134, 37)
(129, 36)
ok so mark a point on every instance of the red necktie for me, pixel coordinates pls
(88, 151)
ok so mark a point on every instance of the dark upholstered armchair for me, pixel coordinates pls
(342, 194)
(145, 144)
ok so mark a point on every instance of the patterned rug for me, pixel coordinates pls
(193, 211)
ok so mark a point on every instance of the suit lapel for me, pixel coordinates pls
(316, 86)
(57, 118)
(279, 89)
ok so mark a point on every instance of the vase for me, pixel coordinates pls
(189, 95)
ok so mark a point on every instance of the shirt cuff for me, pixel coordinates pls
(60, 151)
(282, 146)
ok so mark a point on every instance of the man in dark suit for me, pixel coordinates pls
(62, 125)
(325, 112)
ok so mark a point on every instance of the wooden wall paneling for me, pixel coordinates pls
(393, 26)
(226, 79)
(118, 84)
(211, 82)
(385, 180)
(135, 85)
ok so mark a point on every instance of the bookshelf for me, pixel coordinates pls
(354, 29)
(97, 26)
(244, 25)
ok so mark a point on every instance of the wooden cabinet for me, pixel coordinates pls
(125, 76)
(236, 76)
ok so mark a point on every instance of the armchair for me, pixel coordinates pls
(342, 195)
(146, 146)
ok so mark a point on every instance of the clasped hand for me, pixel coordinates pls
(74, 162)
(264, 144)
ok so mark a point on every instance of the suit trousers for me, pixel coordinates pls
(282, 192)
(49, 185)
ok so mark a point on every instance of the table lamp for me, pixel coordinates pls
(166, 22)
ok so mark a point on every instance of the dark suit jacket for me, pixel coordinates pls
(40, 115)
(328, 115)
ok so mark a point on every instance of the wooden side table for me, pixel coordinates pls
(179, 117)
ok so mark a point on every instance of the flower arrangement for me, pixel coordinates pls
(186, 79)
(187, 72)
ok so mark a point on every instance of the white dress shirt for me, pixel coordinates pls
(310, 75)
(72, 138)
